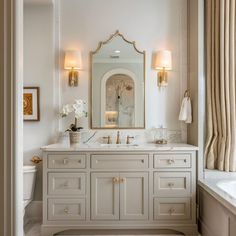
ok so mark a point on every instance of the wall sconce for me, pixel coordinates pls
(163, 63)
(73, 63)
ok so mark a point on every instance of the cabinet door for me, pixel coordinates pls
(134, 196)
(105, 196)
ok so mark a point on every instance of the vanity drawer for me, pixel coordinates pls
(116, 161)
(173, 160)
(172, 209)
(66, 209)
(66, 161)
(168, 184)
(66, 183)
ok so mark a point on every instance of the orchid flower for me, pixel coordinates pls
(78, 107)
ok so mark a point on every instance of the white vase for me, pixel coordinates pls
(74, 137)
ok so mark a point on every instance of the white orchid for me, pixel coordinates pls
(80, 102)
(66, 109)
(78, 107)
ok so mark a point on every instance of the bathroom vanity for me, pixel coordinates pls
(125, 187)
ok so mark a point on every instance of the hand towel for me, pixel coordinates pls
(189, 112)
(186, 110)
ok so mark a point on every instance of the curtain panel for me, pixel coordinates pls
(220, 152)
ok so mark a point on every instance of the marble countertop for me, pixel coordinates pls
(122, 147)
(210, 185)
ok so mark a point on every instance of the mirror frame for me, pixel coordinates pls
(92, 53)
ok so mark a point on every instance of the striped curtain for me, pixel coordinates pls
(220, 152)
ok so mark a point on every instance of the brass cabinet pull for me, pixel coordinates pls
(115, 180)
(122, 180)
(79, 161)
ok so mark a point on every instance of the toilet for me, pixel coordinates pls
(28, 184)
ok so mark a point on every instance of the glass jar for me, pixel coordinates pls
(161, 135)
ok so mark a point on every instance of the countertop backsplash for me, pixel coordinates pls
(140, 136)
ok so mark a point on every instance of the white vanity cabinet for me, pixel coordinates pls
(119, 189)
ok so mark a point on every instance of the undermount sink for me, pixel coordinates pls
(118, 145)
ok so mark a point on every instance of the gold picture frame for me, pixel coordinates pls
(31, 110)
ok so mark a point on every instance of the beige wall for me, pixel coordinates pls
(39, 71)
(152, 24)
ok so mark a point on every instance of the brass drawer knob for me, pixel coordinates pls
(171, 211)
(171, 161)
(66, 210)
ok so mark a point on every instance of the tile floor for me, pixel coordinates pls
(33, 229)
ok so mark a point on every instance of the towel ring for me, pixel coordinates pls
(187, 93)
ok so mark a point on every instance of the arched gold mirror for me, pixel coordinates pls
(117, 85)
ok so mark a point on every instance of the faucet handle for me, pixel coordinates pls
(118, 140)
(108, 139)
(128, 139)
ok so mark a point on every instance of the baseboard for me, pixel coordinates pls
(33, 212)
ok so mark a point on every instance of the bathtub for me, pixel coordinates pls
(228, 186)
(217, 206)
(222, 189)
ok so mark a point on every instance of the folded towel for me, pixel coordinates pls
(186, 111)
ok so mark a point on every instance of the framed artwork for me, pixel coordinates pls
(31, 104)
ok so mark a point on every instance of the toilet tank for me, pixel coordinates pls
(29, 173)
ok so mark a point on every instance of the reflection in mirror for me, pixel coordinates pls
(118, 84)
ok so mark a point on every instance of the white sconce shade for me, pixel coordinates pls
(163, 60)
(163, 63)
(72, 60)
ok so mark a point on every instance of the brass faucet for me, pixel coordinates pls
(108, 139)
(118, 141)
(128, 139)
